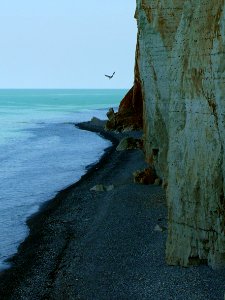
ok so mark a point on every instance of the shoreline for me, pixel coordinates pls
(49, 205)
(90, 169)
(88, 245)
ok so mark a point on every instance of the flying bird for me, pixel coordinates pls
(110, 77)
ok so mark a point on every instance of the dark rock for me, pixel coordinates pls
(147, 176)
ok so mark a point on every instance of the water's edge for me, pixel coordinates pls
(49, 205)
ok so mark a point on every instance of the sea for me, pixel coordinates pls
(42, 152)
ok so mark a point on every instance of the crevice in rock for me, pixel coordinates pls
(211, 230)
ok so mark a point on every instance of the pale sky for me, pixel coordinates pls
(67, 43)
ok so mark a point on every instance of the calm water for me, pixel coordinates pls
(41, 152)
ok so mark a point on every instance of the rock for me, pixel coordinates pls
(111, 123)
(111, 114)
(159, 228)
(98, 188)
(130, 113)
(164, 184)
(180, 61)
(158, 181)
(109, 188)
(147, 176)
(102, 188)
(97, 122)
(128, 143)
(127, 128)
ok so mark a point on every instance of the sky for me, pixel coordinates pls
(67, 43)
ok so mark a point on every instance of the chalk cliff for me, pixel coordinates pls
(181, 69)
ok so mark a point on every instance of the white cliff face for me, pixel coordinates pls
(182, 72)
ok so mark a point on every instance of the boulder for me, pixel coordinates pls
(159, 228)
(102, 188)
(129, 143)
(146, 176)
(98, 188)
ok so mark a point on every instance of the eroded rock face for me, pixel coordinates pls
(130, 113)
(181, 48)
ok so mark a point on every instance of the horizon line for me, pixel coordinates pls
(66, 88)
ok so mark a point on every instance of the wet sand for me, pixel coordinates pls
(102, 245)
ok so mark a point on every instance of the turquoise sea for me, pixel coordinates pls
(42, 152)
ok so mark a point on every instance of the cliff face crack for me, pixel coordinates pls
(213, 106)
(211, 230)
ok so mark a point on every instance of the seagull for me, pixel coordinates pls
(110, 77)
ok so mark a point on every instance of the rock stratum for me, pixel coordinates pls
(180, 70)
